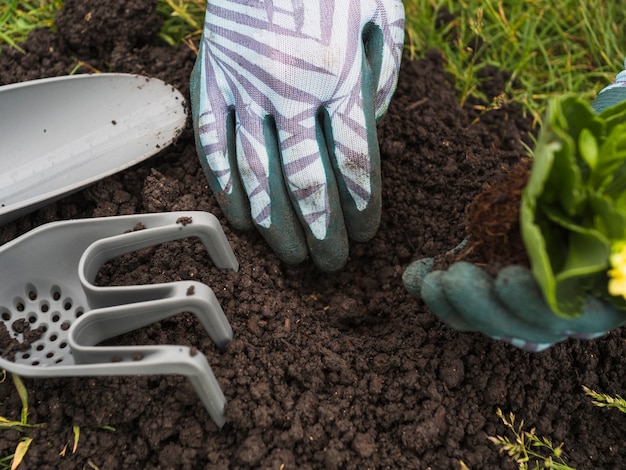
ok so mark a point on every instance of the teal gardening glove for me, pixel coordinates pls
(508, 308)
(511, 307)
(285, 99)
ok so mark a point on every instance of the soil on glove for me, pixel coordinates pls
(494, 237)
(326, 371)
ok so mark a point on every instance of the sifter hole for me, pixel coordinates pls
(55, 292)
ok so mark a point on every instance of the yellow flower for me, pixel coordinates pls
(617, 275)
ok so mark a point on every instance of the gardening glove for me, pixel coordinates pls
(285, 99)
(508, 308)
(611, 95)
(511, 307)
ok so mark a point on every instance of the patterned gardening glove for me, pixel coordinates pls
(511, 307)
(613, 94)
(285, 97)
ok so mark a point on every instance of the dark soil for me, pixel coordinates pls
(342, 370)
(494, 237)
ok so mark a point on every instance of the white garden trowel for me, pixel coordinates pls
(58, 135)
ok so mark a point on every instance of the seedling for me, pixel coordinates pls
(527, 449)
(606, 401)
(573, 214)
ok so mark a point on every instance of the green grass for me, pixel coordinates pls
(606, 401)
(530, 451)
(183, 21)
(18, 18)
(548, 47)
(527, 449)
(12, 461)
(23, 426)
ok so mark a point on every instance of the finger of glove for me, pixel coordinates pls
(518, 290)
(383, 39)
(259, 165)
(312, 187)
(350, 135)
(214, 129)
(414, 275)
(415, 272)
(433, 295)
(472, 292)
(611, 95)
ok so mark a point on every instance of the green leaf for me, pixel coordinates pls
(543, 160)
(588, 147)
(566, 179)
(609, 174)
(574, 206)
(20, 452)
(540, 262)
(573, 260)
(588, 254)
(609, 217)
(577, 116)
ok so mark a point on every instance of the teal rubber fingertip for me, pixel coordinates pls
(330, 254)
(609, 97)
(613, 94)
(415, 273)
(434, 296)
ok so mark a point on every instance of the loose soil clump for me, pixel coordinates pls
(494, 238)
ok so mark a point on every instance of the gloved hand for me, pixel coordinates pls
(508, 308)
(613, 94)
(285, 100)
(511, 307)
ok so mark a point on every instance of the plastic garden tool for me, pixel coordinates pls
(54, 317)
(512, 307)
(61, 134)
(285, 100)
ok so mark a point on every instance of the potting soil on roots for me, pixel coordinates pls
(343, 370)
